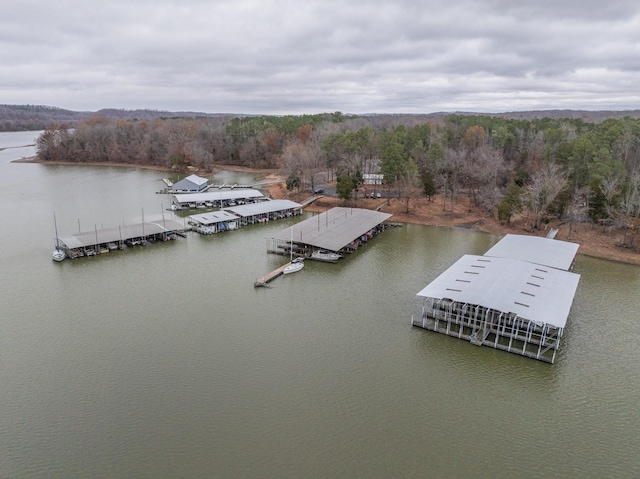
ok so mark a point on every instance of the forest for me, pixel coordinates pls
(547, 167)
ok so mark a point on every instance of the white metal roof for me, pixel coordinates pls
(192, 179)
(114, 235)
(213, 217)
(334, 229)
(534, 249)
(216, 196)
(538, 293)
(263, 207)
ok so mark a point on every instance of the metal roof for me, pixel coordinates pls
(121, 233)
(216, 196)
(534, 292)
(534, 249)
(193, 180)
(213, 217)
(263, 207)
(334, 229)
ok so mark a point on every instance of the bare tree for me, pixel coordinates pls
(408, 184)
(449, 172)
(578, 208)
(629, 205)
(481, 172)
(313, 162)
(546, 184)
(292, 163)
(610, 186)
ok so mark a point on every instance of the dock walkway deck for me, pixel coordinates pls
(262, 281)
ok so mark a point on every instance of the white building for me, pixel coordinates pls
(190, 184)
(372, 179)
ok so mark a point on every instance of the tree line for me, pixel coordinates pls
(562, 167)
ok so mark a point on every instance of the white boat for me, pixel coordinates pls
(57, 254)
(295, 266)
(328, 256)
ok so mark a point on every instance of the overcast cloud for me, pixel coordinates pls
(280, 56)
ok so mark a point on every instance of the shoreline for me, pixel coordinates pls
(591, 240)
(36, 160)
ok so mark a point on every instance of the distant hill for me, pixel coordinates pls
(38, 117)
(589, 116)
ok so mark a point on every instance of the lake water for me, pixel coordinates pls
(165, 361)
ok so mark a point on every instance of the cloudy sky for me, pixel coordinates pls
(354, 56)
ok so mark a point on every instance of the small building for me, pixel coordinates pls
(372, 179)
(516, 297)
(190, 184)
(339, 230)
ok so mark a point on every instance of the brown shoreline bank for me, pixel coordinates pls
(593, 240)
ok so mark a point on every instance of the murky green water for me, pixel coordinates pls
(165, 361)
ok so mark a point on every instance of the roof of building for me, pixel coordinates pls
(121, 233)
(213, 217)
(534, 249)
(534, 292)
(334, 229)
(193, 179)
(263, 207)
(220, 195)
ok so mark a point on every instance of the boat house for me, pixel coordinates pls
(516, 297)
(190, 184)
(265, 211)
(339, 230)
(219, 199)
(101, 241)
(214, 222)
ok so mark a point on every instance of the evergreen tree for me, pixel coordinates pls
(345, 187)
(511, 203)
(428, 184)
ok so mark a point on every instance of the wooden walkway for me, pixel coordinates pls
(310, 200)
(262, 281)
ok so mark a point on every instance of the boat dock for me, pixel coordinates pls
(262, 281)
(99, 241)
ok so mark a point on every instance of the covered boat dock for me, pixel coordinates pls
(214, 222)
(265, 211)
(339, 230)
(216, 199)
(516, 297)
(100, 241)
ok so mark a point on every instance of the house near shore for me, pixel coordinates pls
(372, 179)
(191, 184)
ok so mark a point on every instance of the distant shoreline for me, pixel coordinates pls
(423, 212)
(36, 160)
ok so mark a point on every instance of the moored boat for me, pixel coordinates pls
(58, 254)
(295, 266)
(327, 256)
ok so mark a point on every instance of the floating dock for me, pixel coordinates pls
(516, 297)
(262, 281)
